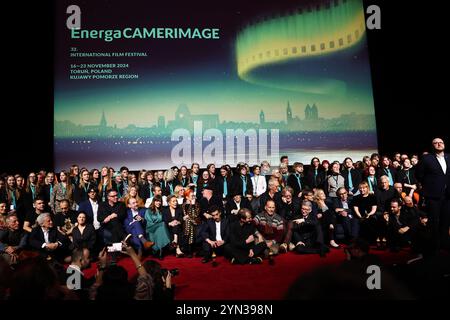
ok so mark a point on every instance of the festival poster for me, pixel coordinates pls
(151, 84)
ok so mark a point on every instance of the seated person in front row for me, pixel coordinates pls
(12, 239)
(305, 233)
(47, 240)
(173, 218)
(66, 219)
(271, 226)
(246, 244)
(345, 216)
(111, 215)
(156, 229)
(134, 224)
(215, 234)
(401, 226)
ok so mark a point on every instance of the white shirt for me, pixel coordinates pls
(218, 235)
(134, 212)
(45, 236)
(345, 204)
(442, 162)
(94, 206)
(259, 185)
(46, 241)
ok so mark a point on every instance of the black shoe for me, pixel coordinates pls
(206, 260)
(256, 260)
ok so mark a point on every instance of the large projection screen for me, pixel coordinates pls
(150, 85)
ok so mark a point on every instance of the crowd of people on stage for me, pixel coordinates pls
(247, 213)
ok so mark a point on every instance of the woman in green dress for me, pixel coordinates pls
(156, 229)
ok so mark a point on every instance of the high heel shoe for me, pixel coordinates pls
(179, 253)
(334, 244)
(160, 256)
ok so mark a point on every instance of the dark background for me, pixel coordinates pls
(406, 55)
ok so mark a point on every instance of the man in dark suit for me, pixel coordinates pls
(343, 208)
(215, 234)
(90, 207)
(111, 214)
(134, 224)
(246, 243)
(433, 172)
(46, 239)
(66, 219)
(306, 232)
(208, 199)
(233, 206)
(289, 206)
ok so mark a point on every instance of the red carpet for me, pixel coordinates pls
(198, 281)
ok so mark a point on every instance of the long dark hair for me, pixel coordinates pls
(153, 206)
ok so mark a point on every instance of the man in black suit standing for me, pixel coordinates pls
(433, 172)
(215, 234)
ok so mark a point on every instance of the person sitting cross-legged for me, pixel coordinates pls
(305, 232)
(246, 243)
(271, 227)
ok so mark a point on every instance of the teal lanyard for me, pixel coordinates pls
(244, 185)
(13, 199)
(297, 175)
(33, 191)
